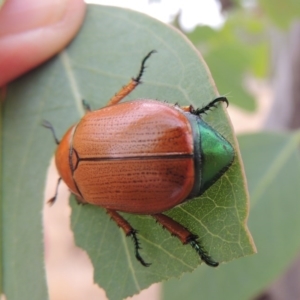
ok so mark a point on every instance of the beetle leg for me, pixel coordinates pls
(211, 104)
(129, 231)
(52, 200)
(86, 105)
(134, 82)
(185, 236)
(48, 125)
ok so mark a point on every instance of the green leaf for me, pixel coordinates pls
(104, 56)
(24, 163)
(272, 163)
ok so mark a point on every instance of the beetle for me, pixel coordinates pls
(142, 157)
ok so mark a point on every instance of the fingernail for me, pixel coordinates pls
(23, 15)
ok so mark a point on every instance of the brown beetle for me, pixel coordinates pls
(142, 157)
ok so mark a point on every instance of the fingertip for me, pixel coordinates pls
(34, 39)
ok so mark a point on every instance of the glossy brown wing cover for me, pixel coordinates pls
(135, 157)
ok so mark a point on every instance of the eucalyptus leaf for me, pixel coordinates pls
(103, 57)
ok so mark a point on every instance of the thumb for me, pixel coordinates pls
(31, 31)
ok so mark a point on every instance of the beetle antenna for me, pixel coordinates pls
(137, 247)
(210, 105)
(202, 253)
(52, 200)
(48, 125)
(143, 67)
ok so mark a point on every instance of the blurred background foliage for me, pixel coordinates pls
(238, 49)
(243, 47)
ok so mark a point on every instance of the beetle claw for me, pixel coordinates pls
(210, 105)
(202, 253)
(137, 248)
(51, 201)
(143, 67)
